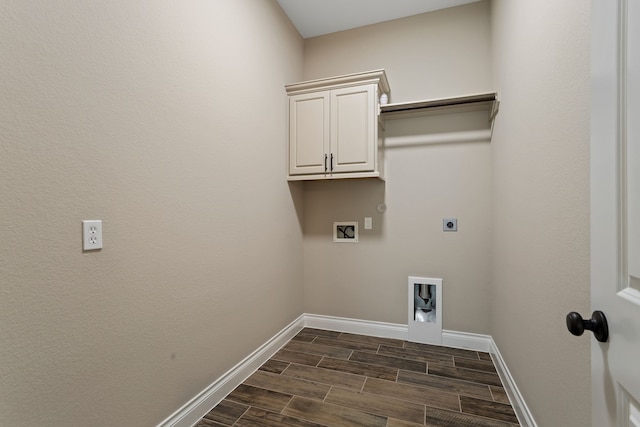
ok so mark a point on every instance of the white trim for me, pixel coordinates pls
(456, 339)
(192, 411)
(356, 326)
(196, 408)
(515, 397)
(378, 77)
(467, 340)
(630, 294)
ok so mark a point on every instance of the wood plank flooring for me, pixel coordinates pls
(327, 378)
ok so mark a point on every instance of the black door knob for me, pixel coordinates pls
(597, 324)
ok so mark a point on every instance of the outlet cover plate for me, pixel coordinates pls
(368, 223)
(91, 235)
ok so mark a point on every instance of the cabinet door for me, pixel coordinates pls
(308, 133)
(353, 129)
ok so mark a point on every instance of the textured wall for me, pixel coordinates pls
(167, 120)
(432, 55)
(540, 155)
(445, 53)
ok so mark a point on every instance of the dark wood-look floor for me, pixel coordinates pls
(326, 378)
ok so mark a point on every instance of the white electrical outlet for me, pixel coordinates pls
(367, 223)
(91, 235)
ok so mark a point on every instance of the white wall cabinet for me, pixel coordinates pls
(334, 127)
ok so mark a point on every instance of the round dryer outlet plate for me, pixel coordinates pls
(381, 208)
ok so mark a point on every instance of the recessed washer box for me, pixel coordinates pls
(425, 310)
(346, 231)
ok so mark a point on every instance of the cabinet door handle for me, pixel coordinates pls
(331, 162)
(325, 162)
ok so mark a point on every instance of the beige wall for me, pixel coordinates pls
(520, 261)
(166, 120)
(440, 54)
(433, 55)
(540, 154)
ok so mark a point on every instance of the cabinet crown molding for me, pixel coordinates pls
(378, 77)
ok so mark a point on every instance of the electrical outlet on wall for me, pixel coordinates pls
(91, 235)
(368, 225)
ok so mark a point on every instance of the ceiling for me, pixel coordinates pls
(317, 17)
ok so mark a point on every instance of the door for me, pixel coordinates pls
(353, 129)
(309, 133)
(615, 209)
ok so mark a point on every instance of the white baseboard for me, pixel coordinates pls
(467, 340)
(356, 326)
(515, 397)
(191, 412)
